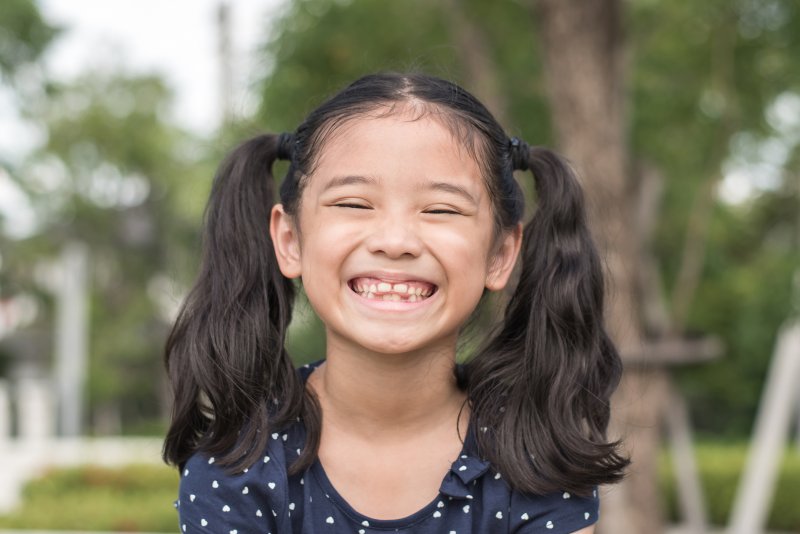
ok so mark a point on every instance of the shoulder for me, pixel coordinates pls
(256, 499)
(557, 513)
(252, 500)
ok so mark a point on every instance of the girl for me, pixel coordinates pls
(399, 212)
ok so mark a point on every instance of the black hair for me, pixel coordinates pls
(539, 387)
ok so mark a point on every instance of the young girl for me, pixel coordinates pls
(398, 213)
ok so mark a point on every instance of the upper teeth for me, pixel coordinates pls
(392, 290)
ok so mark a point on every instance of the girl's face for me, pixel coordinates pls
(395, 239)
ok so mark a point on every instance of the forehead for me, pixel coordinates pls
(398, 145)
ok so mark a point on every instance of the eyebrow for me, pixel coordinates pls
(452, 188)
(341, 181)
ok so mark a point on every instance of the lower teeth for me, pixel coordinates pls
(393, 297)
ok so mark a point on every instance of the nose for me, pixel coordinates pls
(395, 237)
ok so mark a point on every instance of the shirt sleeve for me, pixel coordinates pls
(555, 513)
(211, 501)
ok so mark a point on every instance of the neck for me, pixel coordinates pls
(369, 393)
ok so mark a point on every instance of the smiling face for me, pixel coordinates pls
(395, 240)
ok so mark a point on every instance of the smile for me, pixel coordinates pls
(405, 291)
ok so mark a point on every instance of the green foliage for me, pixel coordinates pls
(135, 498)
(319, 46)
(701, 73)
(116, 175)
(720, 468)
(24, 35)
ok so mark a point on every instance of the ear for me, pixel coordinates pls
(505, 256)
(286, 242)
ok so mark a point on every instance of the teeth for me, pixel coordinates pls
(401, 291)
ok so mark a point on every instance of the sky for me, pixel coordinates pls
(176, 38)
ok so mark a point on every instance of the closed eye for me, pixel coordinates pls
(443, 212)
(350, 205)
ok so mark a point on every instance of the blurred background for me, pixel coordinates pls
(682, 117)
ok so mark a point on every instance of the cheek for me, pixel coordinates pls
(464, 253)
(325, 244)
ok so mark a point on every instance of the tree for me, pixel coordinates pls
(113, 174)
(24, 35)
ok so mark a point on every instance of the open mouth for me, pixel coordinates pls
(405, 291)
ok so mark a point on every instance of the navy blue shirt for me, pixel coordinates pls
(473, 498)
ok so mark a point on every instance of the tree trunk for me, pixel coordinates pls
(585, 70)
(474, 51)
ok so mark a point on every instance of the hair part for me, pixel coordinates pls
(538, 389)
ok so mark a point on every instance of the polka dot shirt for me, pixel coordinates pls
(265, 500)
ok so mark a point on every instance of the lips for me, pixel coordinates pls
(409, 290)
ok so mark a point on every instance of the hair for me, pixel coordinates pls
(539, 387)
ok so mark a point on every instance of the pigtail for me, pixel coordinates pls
(540, 387)
(225, 354)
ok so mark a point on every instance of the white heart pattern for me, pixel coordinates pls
(549, 524)
(525, 516)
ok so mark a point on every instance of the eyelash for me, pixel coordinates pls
(443, 212)
(348, 205)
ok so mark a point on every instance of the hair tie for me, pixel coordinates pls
(518, 151)
(285, 146)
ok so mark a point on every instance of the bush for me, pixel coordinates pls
(720, 468)
(134, 498)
